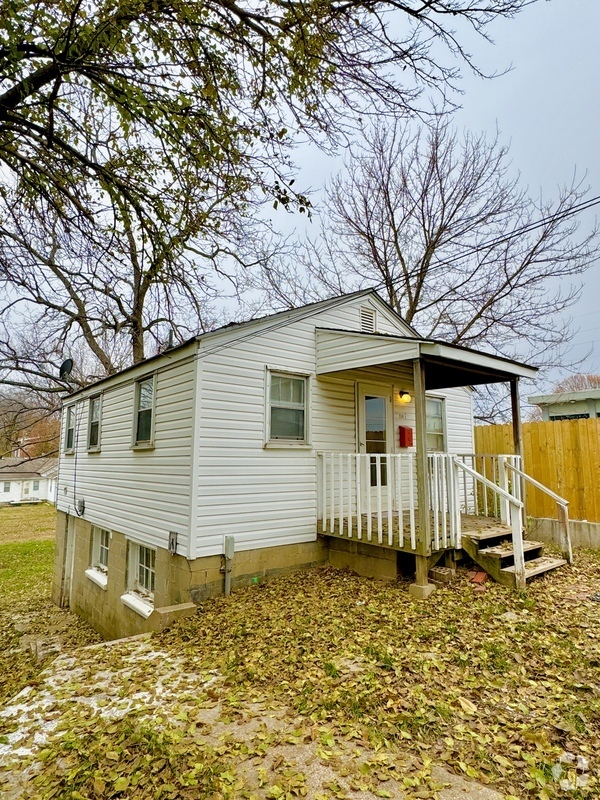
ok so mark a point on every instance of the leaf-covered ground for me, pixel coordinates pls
(28, 620)
(325, 685)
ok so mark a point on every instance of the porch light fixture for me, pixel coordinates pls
(405, 397)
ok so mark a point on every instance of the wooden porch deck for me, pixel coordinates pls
(392, 538)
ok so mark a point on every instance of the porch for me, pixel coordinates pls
(400, 496)
(475, 505)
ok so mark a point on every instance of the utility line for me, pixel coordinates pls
(528, 228)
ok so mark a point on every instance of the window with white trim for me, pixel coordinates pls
(70, 430)
(36, 486)
(436, 440)
(7, 486)
(95, 410)
(287, 407)
(144, 411)
(142, 570)
(100, 548)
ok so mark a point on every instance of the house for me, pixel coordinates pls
(330, 432)
(582, 404)
(25, 480)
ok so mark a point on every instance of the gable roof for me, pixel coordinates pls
(240, 330)
(23, 468)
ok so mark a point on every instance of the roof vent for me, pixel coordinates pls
(367, 320)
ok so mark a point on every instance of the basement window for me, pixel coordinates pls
(98, 572)
(141, 579)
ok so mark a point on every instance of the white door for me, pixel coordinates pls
(25, 490)
(375, 420)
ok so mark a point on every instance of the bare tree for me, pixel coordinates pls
(577, 383)
(437, 223)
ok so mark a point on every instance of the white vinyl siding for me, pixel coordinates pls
(267, 497)
(142, 494)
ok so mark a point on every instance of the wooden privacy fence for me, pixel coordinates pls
(563, 455)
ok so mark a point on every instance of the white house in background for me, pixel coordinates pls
(582, 404)
(246, 451)
(24, 480)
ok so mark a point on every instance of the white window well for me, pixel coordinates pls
(144, 412)
(95, 411)
(287, 418)
(70, 430)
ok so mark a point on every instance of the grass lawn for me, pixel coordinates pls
(27, 523)
(26, 612)
(329, 686)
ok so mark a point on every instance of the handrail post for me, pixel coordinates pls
(517, 543)
(565, 537)
(455, 483)
(503, 480)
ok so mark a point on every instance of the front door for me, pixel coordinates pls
(25, 491)
(374, 433)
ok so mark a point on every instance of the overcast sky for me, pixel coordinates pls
(547, 108)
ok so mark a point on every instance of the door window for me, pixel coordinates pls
(376, 435)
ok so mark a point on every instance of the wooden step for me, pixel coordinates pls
(488, 533)
(538, 566)
(504, 551)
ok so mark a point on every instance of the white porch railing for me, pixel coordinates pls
(484, 502)
(373, 498)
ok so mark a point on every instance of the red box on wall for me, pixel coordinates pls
(405, 436)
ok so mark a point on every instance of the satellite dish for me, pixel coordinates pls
(65, 368)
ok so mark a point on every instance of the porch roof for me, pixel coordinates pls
(446, 365)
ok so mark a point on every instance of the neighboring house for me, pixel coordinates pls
(222, 460)
(24, 480)
(583, 404)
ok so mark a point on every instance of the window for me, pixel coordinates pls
(94, 423)
(435, 425)
(98, 572)
(36, 486)
(287, 408)
(144, 408)
(146, 573)
(141, 577)
(100, 546)
(70, 435)
(7, 486)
